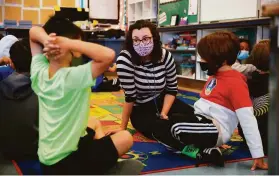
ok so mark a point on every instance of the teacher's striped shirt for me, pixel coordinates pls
(143, 83)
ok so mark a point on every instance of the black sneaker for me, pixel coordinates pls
(211, 155)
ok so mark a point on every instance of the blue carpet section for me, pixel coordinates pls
(188, 97)
(30, 167)
(156, 157)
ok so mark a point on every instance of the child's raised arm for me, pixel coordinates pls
(102, 56)
(38, 37)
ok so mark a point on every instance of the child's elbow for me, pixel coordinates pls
(31, 31)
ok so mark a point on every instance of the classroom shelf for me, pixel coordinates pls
(182, 76)
(135, 1)
(227, 24)
(142, 10)
(181, 51)
(106, 40)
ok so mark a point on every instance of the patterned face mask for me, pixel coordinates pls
(143, 49)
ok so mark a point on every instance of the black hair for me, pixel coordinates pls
(1, 36)
(246, 41)
(156, 54)
(21, 56)
(63, 27)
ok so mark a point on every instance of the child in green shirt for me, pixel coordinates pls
(66, 145)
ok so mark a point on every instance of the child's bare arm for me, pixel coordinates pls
(102, 56)
(38, 37)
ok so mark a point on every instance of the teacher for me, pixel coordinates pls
(147, 74)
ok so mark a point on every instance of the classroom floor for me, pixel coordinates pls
(238, 168)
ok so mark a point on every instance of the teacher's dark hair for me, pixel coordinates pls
(156, 54)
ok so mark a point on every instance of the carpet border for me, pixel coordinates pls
(18, 170)
(191, 166)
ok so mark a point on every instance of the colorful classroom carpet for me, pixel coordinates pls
(107, 107)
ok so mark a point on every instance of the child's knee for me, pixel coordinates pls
(93, 123)
(127, 138)
(123, 141)
(98, 123)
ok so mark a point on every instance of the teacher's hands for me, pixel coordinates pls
(164, 116)
(118, 129)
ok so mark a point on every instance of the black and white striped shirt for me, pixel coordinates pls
(143, 83)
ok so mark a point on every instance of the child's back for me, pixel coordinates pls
(66, 145)
(63, 107)
(19, 107)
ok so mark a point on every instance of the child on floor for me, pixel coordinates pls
(258, 88)
(219, 109)
(19, 111)
(243, 54)
(66, 145)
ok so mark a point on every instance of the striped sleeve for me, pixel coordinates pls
(171, 79)
(261, 105)
(125, 72)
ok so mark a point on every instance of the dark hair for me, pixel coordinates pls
(218, 48)
(21, 56)
(63, 27)
(156, 54)
(260, 55)
(245, 41)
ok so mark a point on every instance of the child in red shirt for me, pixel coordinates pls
(224, 102)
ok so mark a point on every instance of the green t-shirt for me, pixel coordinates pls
(63, 107)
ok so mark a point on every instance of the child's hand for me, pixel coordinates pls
(50, 46)
(259, 163)
(113, 68)
(56, 46)
(6, 61)
(110, 132)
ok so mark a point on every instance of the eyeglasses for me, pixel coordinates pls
(145, 41)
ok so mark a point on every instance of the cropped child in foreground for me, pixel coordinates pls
(258, 88)
(220, 108)
(66, 145)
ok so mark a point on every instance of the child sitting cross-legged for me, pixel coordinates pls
(66, 145)
(224, 102)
